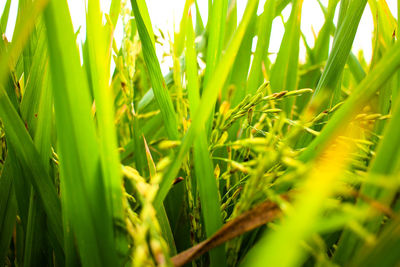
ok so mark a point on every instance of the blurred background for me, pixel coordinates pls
(166, 14)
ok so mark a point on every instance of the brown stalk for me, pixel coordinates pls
(255, 217)
(378, 206)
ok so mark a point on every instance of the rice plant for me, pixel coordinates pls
(230, 159)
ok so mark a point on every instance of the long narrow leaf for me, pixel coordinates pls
(203, 165)
(82, 181)
(157, 80)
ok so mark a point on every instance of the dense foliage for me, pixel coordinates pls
(229, 159)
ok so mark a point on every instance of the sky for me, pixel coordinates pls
(165, 14)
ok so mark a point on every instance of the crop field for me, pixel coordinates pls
(231, 158)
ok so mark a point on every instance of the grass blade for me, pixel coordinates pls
(199, 22)
(99, 50)
(240, 68)
(36, 111)
(29, 157)
(82, 180)
(204, 170)
(263, 35)
(8, 209)
(215, 40)
(157, 80)
(338, 56)
(384, 252)
(4, 17)
(284, 71)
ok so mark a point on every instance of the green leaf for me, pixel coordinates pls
(204, 170)
(199, 22)
(383, 252)
(8, 209)
(26, 158)
(342, 44)
(240, 69)
(144, 15)
(231, 21)
(255, 78)
(29, 157)
(36, 111)
(115, 8)
(83, 185)
(215, 40)
(99, 54)
(284, 71)
(157, 80)
(4, 17)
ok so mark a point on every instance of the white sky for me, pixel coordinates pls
(166, 13)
